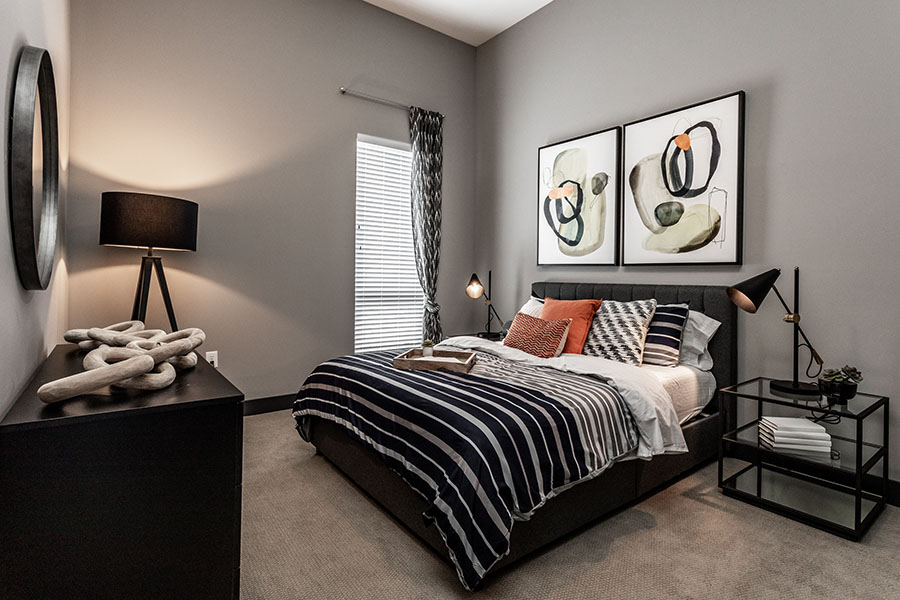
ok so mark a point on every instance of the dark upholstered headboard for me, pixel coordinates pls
(708, 299)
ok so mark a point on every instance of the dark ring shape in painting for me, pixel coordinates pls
(576, 214)
(679, 185)
(684, 190)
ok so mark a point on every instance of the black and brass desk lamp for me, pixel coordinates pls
(749, 294)
(476, 290)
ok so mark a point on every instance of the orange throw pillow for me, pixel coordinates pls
(582, 314)
(541, 338)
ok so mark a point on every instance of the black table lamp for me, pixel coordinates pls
(148, 221)
(475, 290)
(749, 294)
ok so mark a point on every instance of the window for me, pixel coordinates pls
(389, 300)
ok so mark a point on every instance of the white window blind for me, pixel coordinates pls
(389, 299)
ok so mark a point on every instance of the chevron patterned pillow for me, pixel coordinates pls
(544, 339)
(618, 331)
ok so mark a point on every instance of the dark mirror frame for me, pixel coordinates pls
(34, 256)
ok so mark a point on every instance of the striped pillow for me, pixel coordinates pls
(662, 346)
(544, 339)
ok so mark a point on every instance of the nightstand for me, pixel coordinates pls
(121, 493)
(840, 493)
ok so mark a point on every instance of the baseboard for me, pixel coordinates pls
(872, 483)
(258, 406)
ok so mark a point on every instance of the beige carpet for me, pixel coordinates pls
(307, 532)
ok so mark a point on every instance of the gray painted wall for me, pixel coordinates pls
(821, 167)
(235, 105)
(32, 322)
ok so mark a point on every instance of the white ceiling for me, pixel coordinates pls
(472, 21)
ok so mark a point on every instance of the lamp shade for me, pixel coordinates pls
(474, 289)
(749, 294)
(147, 221)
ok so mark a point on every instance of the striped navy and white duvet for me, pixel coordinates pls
(484, 448)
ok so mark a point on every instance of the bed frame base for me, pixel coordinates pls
(579, 506)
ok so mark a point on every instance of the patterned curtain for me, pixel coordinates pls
(426, 135)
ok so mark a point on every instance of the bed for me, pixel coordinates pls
(607, 490)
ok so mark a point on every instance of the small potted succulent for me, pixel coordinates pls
(840, 384)
(428, 348)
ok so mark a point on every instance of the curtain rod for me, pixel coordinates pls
(349, 92)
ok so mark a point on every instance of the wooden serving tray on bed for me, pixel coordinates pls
(447, 360)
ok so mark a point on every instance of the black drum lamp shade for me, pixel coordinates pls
(148, 221)
(749, 295)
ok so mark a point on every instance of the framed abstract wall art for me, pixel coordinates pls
(683, 185)
(578, 200)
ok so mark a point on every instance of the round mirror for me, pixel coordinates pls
(34, 169)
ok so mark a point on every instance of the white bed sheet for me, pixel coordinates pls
(689, 388)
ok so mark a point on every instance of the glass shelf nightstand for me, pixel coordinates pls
(839, 492)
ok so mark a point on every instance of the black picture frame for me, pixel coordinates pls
(613, 212)
(735, 154)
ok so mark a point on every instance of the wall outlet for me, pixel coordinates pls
(212, 357)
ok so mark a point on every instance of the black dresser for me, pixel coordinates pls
(122, 494)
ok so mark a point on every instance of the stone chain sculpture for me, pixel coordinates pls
(126, 355)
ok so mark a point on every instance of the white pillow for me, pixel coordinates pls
(698, 330)
(533, 307)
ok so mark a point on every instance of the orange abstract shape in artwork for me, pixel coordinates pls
(561, 192)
